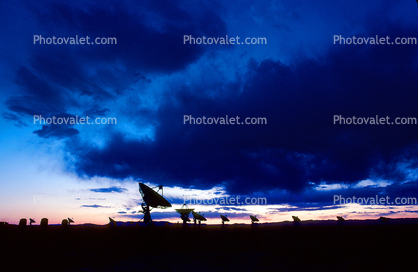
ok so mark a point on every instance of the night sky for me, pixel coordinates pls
(150, 79)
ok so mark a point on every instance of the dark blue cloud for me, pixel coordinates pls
(300, 143)
(56, 79)
(113, 189)
(57, 131)
(94, 206)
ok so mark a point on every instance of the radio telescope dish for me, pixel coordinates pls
(70, 220)
(198, 217)
(340, 219)
(253, 219)
(224, 219)
(31, 221)
(184, 212)
(112, 222)
(153, 199)
(296, 219)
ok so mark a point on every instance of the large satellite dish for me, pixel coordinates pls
(224, 219)
(70, 220)
(31, 221)
(151, 199)
(184, 212)
(198, 217)
(253, 219)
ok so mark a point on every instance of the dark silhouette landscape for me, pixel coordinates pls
(356, 245)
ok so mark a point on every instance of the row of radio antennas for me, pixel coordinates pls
(152, 199)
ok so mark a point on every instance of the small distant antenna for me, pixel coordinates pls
(224, 219)
(31, 221)
(198, 217)
(70, 220)
(112, 222)
(254, 219)
(296, 220)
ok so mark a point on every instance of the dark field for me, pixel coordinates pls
(354, 246)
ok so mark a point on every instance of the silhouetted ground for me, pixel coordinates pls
(354, 246)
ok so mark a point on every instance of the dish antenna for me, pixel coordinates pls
(224, 219)
(296, 219)
(253, 219)
(184, 212)
(31, 221)
(340, 219)
(198, 217)
(151, 199)
(112, 222)
(70, 220)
